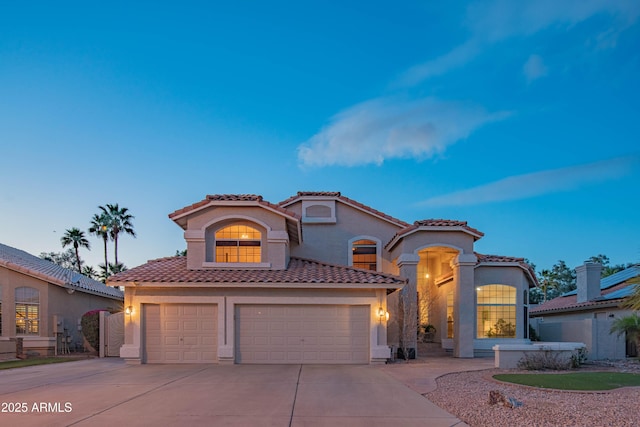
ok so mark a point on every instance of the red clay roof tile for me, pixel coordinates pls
(233, 198)
(174, 269)
(339, 196)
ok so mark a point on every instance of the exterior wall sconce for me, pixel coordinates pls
(383, 314)
(128, 310)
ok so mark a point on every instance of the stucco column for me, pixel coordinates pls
(464, 305)
(408, 266)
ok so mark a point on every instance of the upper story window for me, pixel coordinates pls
(27, 311)
(364, 254)
(238, 243)
(496, 317)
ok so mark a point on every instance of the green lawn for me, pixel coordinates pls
(574, 381)
(37, 361)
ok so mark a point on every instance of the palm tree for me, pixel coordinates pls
(100, 225)
(633, 302)
(120, 223)
(75, 237)
(113, 269)
(628, 325)
(89, 271)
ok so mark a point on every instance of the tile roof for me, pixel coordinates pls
(491, 259)
(609, 297)
(233, 198)
(497, 258)
(174, 269)
(23, 262)
(613, 288)
(433, 223)
(339, 196)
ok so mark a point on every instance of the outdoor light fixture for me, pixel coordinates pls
(383, 314)
(129, 310)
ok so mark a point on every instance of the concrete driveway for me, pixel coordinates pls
(107, 392)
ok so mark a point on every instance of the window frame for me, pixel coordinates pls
(496, 311)
(212, 246)
(374, 243)
(29, 306)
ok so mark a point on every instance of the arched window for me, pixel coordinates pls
(238, 243)
(496, 315)
(365, 254)
(27, 311)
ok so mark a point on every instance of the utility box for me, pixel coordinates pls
(58, 324)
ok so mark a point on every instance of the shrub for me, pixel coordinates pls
(533, 335)
(579, 357)
(91, 327)
(548, 359)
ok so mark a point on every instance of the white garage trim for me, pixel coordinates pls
(378, 348)
(302, 333)
(133, 352)
(180, 333)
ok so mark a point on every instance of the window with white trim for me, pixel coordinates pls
(27, 311)
(238, 243)
(496, 311)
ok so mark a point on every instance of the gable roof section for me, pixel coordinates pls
(299, 273)
(434, 225)
(500, 260)
(292, 219)
(336, 195)
(613, 288)
(30, 265)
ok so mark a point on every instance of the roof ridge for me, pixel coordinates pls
(345, 199)
(26, 263)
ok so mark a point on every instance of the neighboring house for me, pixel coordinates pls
(42, 303)
(306, 281)
(587, 313)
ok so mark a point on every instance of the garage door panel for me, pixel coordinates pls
(311, 334)
(180, 333)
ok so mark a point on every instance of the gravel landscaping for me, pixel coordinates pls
(466, 395)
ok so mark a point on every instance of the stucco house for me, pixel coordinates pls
(316, 278)
(42, 303)
(587, 313)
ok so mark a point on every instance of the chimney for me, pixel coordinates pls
(588, 281)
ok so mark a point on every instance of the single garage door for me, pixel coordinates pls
(302, 334)
(180, 333)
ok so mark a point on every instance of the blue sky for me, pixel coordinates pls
(522, 118)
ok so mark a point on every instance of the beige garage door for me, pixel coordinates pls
(302, 334)
(180, 333)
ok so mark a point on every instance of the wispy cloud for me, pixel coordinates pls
(389, 128)
(534, 68)
(539, 183)
(492, 22)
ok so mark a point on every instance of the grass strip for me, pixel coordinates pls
(584, 381)
(11, 364)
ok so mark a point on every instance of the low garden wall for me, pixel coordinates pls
(7, 350)
(512, 356)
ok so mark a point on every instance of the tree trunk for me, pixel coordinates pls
(115, 246)
(106, 263)
(78, 258)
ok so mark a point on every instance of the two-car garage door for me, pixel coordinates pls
(268, 333)
(321, 334)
